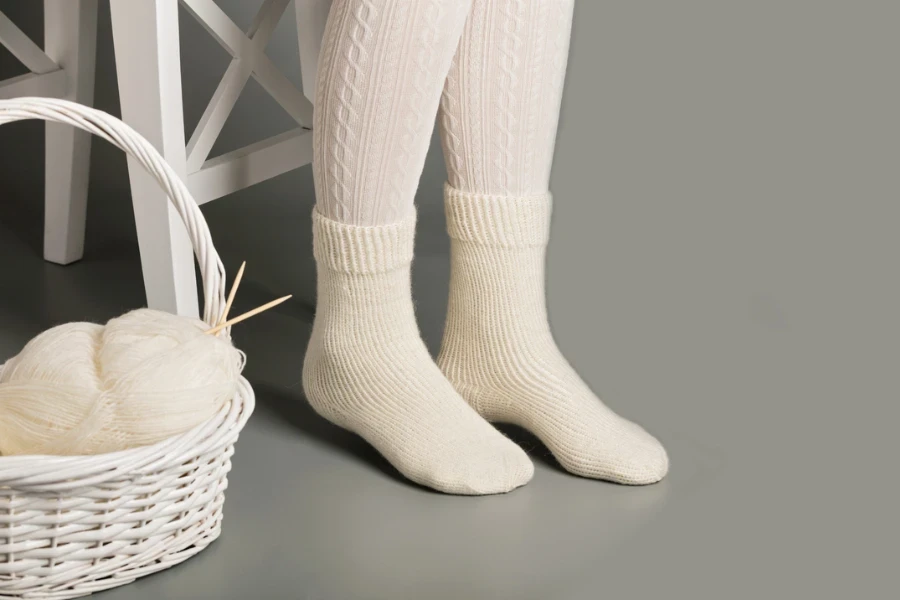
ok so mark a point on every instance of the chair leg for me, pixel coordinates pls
(311, 18)
(70, 34)
(145, 36)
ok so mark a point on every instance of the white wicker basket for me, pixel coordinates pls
(70, 526)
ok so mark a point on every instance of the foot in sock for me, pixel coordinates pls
(368, 370)
(499, 353)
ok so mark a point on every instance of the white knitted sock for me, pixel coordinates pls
(368, 370)
(500, 355)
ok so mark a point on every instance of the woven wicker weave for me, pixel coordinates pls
(70, 526)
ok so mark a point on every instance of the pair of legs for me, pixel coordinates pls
(492, 71)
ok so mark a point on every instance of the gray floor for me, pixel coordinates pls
(723, 270)
(312, 511)
(778, 481)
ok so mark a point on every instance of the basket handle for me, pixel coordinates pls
(132, 143)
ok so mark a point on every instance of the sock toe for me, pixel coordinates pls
(645, 462)
(518, 467)
(505, 469)
(484, 480)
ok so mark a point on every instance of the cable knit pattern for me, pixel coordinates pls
(508, 101)
(382, 69)
(368, 370)
(420, 88)
(499, 353)
(500, 107)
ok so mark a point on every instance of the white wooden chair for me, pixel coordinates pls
(145, 36)
(64, 68)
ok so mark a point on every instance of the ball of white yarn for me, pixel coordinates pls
(83, 388)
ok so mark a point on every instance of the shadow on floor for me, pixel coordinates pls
(530, 443)
(291, 408)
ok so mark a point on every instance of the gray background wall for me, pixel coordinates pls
(723, 266)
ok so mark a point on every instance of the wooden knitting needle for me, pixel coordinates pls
(246, 315)
(231, 294)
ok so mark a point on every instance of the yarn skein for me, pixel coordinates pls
(83, 388)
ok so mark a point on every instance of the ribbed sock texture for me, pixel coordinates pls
(368, 370)
(499, 353)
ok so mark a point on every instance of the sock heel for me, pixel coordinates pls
(317, 391)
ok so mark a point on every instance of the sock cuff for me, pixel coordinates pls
(363, 249)
(498, 220)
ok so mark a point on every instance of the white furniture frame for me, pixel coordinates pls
(64, 68)
(145, 35)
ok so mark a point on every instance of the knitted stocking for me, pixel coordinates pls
(499, 353)
(498, 119)
(383, 65)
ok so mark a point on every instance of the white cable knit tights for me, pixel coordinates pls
(500, 106)
(382, 68)
(367, 369)
(499, 117)
(383, 65)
